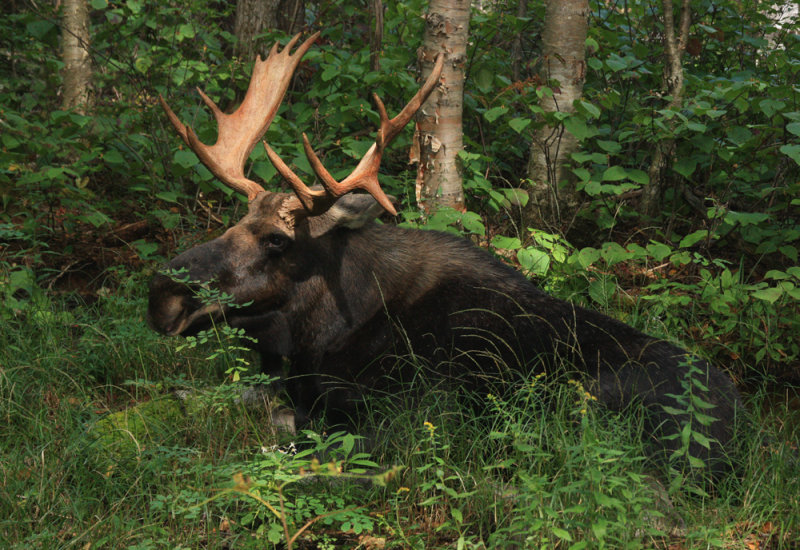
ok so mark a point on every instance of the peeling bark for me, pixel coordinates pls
(75, 54)
(553, 198)
(438, 136)
(673, 86)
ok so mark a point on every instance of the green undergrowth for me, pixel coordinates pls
(111, 437)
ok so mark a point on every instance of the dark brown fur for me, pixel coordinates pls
(343, 297)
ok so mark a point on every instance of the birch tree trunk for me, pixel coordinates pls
(252, 18)
(75, 54)
(553, 198)
(673, 86)
(438, 136)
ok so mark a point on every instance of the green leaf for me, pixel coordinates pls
(615, 173)
(695, 462)
(770, 295)
(135, 6)
(692, 238)
(685, 166)
(483, 80)
(186, 159)
(638, 176)
(791, 151)
(587, 256)
(99, 4)
(615, 63)
(507, 243)
(739, 135)
(519, 124)
(659, 251)
(143, 64)
(770, 106)
(185, 31)
(578, 128)
(794, 127)
(562, 534)
(697, 127)
(168, 196)
(329, 73)
(494, 113)
(113, 157)
(612, 147)
(590, 108)
(745, 218)
(534, 260)
(582, 173)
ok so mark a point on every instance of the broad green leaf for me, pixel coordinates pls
(534, 260)
(169, 196)
(135, 6)
(113, 157)
(184, 158)
(329, 73)
(659, 251)
(638, 176)
(794, 127)
(612, 147)
(615, 173)
(185, 31)
(578, 128)
(587, 256)
(685, 166)
(494, 113)
(519, 124)
(590, 108)
(483, 79)
(507, 243)
(770, 295)
(770, 106)
(791, 151)
(745, 218)
(693, 238)
(582, 173)
(562, 534)
(615, 63)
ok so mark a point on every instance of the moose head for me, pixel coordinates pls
(317, 282)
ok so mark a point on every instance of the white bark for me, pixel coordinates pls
(438, 138)
(75, 54)
(553, 199)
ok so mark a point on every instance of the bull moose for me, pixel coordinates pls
(318, 281)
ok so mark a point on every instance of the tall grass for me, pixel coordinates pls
(540, 465)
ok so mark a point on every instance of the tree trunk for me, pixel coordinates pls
(376, 35)
(673, 86)
(553, 199)
(75, 54)
(252, 18)
(516, 45)
(291, 15)
(438, 137)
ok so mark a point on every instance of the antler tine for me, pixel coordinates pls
(239, 131)
(365, 175)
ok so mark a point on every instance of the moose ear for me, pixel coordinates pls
(351, 211)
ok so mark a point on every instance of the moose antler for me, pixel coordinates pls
(365, 175)
(239, 131)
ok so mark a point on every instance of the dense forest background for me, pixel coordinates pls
(682, 220)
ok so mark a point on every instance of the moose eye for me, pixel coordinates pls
(277, 241)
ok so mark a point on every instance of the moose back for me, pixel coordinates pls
(345, 298)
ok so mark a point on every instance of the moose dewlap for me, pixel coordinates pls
(342, 297)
